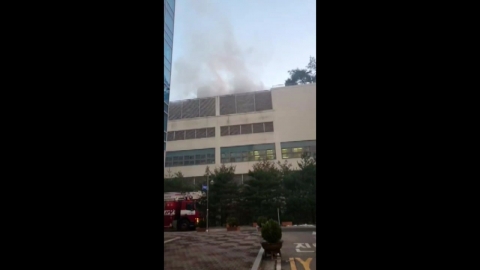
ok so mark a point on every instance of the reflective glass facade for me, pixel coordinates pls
(169, 12)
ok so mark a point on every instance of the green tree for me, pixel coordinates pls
(223, 194)
(263, 192)
(303, 76)
(312, 67)
(300, 191)
(176, 183)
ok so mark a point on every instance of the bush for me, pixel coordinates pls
(202, 224)
(261, 220)
(271, 231)
(232, 222)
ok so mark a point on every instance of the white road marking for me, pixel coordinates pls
(300, 245)
(298, 250)
(171, 240)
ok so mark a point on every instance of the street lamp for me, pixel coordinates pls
(208, 190)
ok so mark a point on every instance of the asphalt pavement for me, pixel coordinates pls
(299, 249)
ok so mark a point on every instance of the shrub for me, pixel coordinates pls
(232, 222)
(202, 224)
(261, 220)
(271, 231)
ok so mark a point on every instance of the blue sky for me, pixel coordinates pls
(226, 46)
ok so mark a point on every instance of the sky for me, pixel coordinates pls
(231, 46)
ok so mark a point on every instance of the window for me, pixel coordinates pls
(298, 149)
(248, 153)
(224, 131)
(180, 135)
(235, 130)
(167, 36)
(258, 128)
(166, 73)
(190, 157)
(167, 51)
(210, 132)
(165, 119)
(169, 21)
(190, 134)
(268, 127)
(246, 129)
(171, 4)
(201, 133)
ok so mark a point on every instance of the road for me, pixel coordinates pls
(299, 249)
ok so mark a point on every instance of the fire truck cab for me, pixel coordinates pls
(180, 211)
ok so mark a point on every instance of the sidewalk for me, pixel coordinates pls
(216, 250)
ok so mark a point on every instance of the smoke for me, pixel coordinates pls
(212, 62)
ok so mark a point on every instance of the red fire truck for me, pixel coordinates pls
(179, 210)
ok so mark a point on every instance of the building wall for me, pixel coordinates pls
(293, 115)
(168, 25)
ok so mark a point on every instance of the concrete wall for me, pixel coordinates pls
(293, 116)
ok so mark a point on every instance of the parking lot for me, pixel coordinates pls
(216, 250)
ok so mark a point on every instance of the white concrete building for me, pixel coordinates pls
(277, 124)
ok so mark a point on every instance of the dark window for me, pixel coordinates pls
(190, 134)
(258, 128)
(235, 130)
(171, 136)
(269, 127)
(224, 131)
(211, 132)
(201, 133)
(246, 129)
(180, 135)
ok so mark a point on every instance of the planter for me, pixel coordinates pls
(272, 249)
(201, 229)
(232, 229)
(286, 223)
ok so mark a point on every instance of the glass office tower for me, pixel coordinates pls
(169, 12)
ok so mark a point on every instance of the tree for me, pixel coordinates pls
(299, 190)
(312, 67)
(303, 76)
(263, 192)
(223, 194)
(176, 183)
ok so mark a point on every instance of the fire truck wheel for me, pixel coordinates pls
(184, 225)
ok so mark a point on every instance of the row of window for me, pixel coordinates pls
(190, 157)
(298, 149)
(246, 129)
(224, 131)
(244, 153)
(190, 134)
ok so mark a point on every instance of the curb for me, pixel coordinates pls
(258, 260)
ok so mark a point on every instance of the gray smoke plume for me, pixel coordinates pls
(212, 63)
